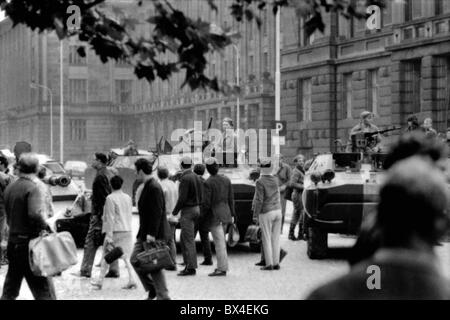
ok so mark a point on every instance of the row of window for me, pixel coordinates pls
(78, 91)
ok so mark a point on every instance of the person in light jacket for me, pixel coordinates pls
(267, 209)
(117, 218)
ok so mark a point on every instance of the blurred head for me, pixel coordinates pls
(413, 204)
(265, 165)
(143, 167)
(42, 172)
(162, 172)
(417, 144)
(116, 182)
(199, 169)
(28, 163)
(212, 166)
(3, 163)
(413, 121)
(99, 160)
(428, 123)
(186, 162)
(227, 124)
(299, 161)
(366, 117)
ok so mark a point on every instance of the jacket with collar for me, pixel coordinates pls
(189, 191)
(219, 200)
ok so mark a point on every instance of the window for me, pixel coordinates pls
(123, 91)
(123, 130)
(78, 90)
(408, 10)
(304, 110)
(347, 95)
(305, 40)
(74, 57)
(78, 130)
(225, 71)
(250, 30)
(265, 23)
(373, 91)
(411, 86)
(251, 64)
(266, 61)
(438, 7)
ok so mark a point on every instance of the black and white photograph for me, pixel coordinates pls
(237, 151)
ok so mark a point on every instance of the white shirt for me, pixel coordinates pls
(170, 191)
(117, 213)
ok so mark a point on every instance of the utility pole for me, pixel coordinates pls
(61, 98)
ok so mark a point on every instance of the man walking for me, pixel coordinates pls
(24, 205)
(219, 210)
(189, 201)
(170, 191)
(153, 226)
(100, 190)
(202, 226)
(297, 184)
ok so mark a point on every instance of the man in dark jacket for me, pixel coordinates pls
(219, 210)
(100, 190)
(23, 203)
(202, 226)
(412, 217)
(189, 202)
(153, 226)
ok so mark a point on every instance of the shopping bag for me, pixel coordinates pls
(155, 257)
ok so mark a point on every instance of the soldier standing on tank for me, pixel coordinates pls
(366, 126)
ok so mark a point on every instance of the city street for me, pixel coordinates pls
(297, 277)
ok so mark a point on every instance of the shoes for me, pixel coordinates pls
(130, 286)
(277, 267)
(112, 275)
(218, 273)
(187, 272)
(283, 253)
(174, 268)
(207, 263)
(262, 263)
(267, 268)
(96, 285)
(81, 274)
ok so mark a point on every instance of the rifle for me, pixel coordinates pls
(367, 139)
(371, 134)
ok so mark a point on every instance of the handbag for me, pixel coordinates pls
(233, 235)
(288, 193)
(52, 253)
(253, 234)
(114, 254)
(155, 257)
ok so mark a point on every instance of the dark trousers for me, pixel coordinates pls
(154, 283)
(188, 220)
(203, 228)
(19, 267)
(297, 215)
(91, 246)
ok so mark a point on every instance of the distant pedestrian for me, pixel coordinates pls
(24, 210)
(412, 216)
(219, 212)
(170, 191)
(189, 202)
(100, 190)
(117, 218)
(4, 182)
(153, 226)
(267, 209)
(202, 226)
(428, 128)
(296, 183)
(284, 176)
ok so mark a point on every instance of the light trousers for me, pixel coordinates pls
(218, 234)
(270, 224)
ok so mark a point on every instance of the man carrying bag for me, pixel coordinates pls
(153, 227)
(24, 205)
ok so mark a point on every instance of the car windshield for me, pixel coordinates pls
(54, 167)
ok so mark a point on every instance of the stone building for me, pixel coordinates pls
(105, 105)
(400, 69)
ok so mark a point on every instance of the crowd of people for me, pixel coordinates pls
(411, 219)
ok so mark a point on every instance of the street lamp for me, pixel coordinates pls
(235, 47)
(61, 99)
(36, 86)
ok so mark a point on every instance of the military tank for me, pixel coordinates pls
(340, 190)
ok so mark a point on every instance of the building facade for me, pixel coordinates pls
(105, 105)
(329, 79)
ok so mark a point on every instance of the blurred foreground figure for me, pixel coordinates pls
(412, 216)
(409, 145)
